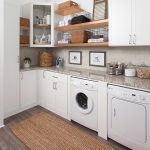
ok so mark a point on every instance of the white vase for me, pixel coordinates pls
(26, 65)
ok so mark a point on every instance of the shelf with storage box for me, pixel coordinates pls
(24, 32)
(87, 25)
(79, 32)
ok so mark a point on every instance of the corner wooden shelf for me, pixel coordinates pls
(24, 45)
(24, 28)
(69, 11)
(93, 24)
(104, 44)
(42, 26)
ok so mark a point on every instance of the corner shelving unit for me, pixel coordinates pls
(81, 26)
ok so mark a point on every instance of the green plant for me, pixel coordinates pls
(27, 60)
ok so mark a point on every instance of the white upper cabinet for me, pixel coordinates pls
(120, 22)
(129, 23)
(41, 15)
(142, 22)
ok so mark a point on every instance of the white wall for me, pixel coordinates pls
(1, 59)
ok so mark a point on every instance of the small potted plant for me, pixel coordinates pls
(27, 62)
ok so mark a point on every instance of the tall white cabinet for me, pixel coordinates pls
(129, 22)
(1, 60)
(11, 57)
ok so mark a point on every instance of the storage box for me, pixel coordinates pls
(24, 22)
(24, 39)
(67, 4)
(80, 36)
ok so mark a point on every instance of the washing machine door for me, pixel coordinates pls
(84, 103)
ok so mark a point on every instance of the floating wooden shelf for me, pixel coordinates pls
(69, 11)
(93, 24)
(24, 28)
(105, 44)
(24, 45)
(42, 26)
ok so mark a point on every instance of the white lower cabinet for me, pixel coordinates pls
(28, 88)
(53, 92)
(46, 94)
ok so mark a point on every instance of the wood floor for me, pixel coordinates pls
(8, 141)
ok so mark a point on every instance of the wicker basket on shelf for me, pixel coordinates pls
(46, 59)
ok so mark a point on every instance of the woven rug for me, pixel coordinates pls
(47, 132)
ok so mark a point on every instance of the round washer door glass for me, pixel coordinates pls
(84, 104)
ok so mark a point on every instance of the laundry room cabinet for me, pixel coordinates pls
(45, 90)
(28, 88)
(129, 22)
(11, 57)
(53, 92)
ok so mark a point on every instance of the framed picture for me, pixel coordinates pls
(97, 59)
(75, 57)
(100, 10)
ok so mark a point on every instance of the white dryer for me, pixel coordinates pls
(84, 95)
(129, 117)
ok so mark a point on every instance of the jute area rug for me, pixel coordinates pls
(47, 132)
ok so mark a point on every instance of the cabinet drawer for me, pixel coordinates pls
(56, 76)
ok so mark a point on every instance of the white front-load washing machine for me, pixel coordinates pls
(84, 99)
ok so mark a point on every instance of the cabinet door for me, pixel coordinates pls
(142, 22)
(46, 93)
(28, 88)
(120, 17)
(61, 101)
(11, 58)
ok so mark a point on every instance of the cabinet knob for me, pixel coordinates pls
(134, 39)
(130, 39)
(21, 75)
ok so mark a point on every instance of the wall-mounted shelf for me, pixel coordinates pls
(24, 28)
(69, 11)
(42, 26)
(105, 44)
(24, 45)
(93, 24)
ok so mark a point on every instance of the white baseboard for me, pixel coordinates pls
(2, 126)
(19, 111)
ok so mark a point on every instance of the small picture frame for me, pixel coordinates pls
(97, 59)
(75, 57)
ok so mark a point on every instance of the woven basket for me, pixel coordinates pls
(46, 59)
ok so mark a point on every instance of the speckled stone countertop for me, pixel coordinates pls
(131, 82)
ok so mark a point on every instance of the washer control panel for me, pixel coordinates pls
(129, 94)
(85, 84)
